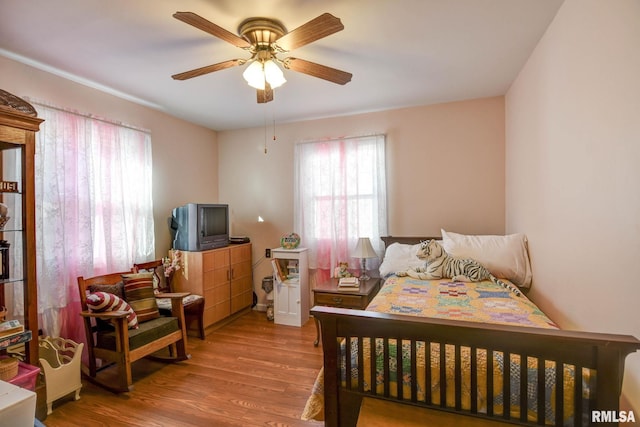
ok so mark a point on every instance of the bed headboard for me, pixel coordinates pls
(405, 240)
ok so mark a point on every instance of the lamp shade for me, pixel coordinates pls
(257, 73)
(364, 249)
(254, 75)
(273, 74)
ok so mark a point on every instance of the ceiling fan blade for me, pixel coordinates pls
(265, 95)
(322, 26)
(211, 28)
(317, 70)
(208, 69)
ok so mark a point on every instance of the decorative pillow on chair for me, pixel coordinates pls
(138, 291)
(101, 302)
(117, 289)
(159, 279)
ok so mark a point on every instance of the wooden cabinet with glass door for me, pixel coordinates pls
(18, 288)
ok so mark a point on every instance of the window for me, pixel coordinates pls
(94, 209)
(340, 195)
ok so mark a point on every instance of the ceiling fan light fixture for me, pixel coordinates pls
(254, 75)
(273, 74)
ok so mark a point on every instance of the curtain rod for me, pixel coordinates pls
(87, 115)
(311, 141)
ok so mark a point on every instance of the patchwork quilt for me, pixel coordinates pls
(484, 302)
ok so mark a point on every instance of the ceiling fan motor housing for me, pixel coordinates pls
(261, 32)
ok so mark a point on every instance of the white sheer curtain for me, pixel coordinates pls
(340, 195)
(94, 209)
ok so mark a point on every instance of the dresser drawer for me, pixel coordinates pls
(340, 300)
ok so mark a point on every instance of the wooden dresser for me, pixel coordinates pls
(223, 276)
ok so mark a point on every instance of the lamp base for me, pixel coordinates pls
(363, 271)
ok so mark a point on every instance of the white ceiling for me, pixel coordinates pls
(401, 52)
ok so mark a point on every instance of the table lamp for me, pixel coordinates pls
(363, 251)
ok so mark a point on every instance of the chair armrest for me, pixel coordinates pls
(173, 295)
(105, 314)
(177, 309)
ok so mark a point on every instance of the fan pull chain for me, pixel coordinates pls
(266, 129)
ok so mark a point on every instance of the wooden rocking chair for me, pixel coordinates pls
(110, 339)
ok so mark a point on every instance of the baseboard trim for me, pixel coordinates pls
(260, 307)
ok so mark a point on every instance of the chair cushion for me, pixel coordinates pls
(101, 302)
(148, 332)
(190, 299)
(164, 304)
(138, 291)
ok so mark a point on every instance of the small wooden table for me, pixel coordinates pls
(329, 294)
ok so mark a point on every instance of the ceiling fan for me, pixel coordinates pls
(264, 38)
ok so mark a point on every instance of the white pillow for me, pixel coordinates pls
(400, 257)
(505, 257)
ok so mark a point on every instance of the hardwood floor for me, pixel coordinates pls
(248, 373)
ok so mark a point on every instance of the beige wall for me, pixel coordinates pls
(185, 155)
(460, 145)
(573, 181)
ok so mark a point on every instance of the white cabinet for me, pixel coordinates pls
(17, 406)
(291, 286)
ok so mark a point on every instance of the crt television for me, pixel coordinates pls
(200, 227)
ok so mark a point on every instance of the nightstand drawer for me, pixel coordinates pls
(342, 300)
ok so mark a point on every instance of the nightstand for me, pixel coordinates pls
(329, 294)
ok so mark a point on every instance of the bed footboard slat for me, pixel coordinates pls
(387, 371)
(577, 396)
(414, 371)
(348, 352)
(428, 397)
(399, 369)
(458, 377)
(506, 385)
(524, 381)
(489, 378)
(541, 391)
(473, 351)
(372, 367)
(361, 364)
(443, 375)
(559, 384)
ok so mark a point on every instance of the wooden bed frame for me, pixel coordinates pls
(603, 354)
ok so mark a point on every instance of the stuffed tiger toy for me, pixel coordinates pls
(439, 264)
